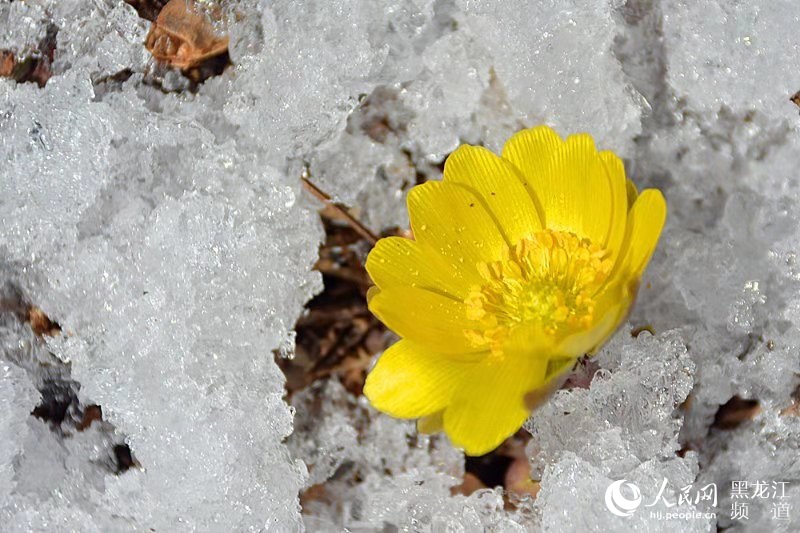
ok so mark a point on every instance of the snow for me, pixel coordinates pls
(165, 230)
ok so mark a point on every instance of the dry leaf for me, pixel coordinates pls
(34, 67)
(470, 484)
(735, 412)
(518, 478)
(41, 323)
(7, 63)
(147, 9)
(184, 38)
(337, 335)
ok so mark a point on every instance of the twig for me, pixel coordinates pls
(325, 198)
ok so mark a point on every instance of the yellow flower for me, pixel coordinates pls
(519, 265)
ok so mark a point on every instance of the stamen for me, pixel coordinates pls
(548, 279)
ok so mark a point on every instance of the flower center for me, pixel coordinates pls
(548, 280)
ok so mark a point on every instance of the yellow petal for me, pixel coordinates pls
(611, 309)
(632, 191)
(645, 222)
(489, 405)
(450, 221)
(558, 371)
(429, 318)
(395, 261)
(530, 150)
(499, 186)
(576, 191)
(372, 292)
(558, 367)
(432, 423)
(618, 188)
(410, 381)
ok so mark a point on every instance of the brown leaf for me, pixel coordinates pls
(635, 332)
(183, 38)
(518, 479)
(795, 98)
(735, 412)
(337, 335)
(470, 484)
(125, 458)
(147, 9)
(793, 409)
(7, 63)
(41, 323)
(35, 66)
(90, 414)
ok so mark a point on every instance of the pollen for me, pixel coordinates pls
(546, 280)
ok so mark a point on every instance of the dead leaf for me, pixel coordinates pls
(147, 9)
(183, 38)
(793, 409)
(518, 478)
(41, 323)
(635, 332)
(34, 67)
(91, 414)
(470, 484)
(7, 63)
(735, 412)
(337, 335)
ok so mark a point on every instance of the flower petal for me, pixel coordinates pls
(395, 261)
(431, 423)
(499, 186)
(410, 381)
(424, 316)
(558, 371)
(612, 307)
(557, 367)
(530, 150)
(576, 191)
(450, 221)
(489, 404)
(645, 222)
(632, 191)
(618, 188)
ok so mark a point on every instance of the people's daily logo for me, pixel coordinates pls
(620, 504)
